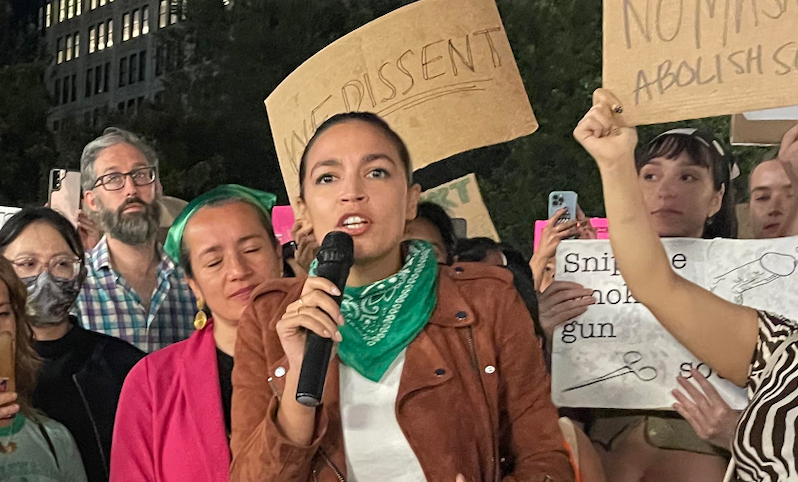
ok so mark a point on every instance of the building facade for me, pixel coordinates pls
(105, 55)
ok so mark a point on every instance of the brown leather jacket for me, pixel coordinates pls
(474, 397)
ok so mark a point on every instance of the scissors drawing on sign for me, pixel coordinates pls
(631, 358)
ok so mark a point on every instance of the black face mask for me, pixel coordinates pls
(49, 298)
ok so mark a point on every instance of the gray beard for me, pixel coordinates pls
(131, 228)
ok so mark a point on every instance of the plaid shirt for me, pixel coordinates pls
(108, 304)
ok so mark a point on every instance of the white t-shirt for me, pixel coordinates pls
(376, 448)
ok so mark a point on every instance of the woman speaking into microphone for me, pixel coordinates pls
(437, 373)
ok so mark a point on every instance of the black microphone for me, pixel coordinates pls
(335, 257)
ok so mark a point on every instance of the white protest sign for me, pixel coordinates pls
(440, 72)
(617, 355)
(783, 113)
(6, 213)
(461, 199)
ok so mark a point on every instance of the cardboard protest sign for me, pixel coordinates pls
(441, 73)
(6, 213)
(670, 60)
(618, 336)
(461, 199)
(762, 128)
(599, 224)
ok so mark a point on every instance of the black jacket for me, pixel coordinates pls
(79, 386)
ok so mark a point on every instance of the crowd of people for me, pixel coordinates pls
(145, 355)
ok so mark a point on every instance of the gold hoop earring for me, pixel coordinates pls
(201, 319)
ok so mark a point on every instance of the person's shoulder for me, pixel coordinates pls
(477, 273)
(271, 297)
(276, 290)
(57, 432)
(113, 349)
(160, 364)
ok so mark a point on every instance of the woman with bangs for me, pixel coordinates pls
(684, 176)
(32, 446)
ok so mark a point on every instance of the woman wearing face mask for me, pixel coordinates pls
(441, 381)
(82, 371)
(173, 422)
(32, 446)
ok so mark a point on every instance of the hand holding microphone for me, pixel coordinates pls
(310, 324)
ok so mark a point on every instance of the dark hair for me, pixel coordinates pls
(369, 118)
(24, 218)
(26, 361)
(670, 146)
(185, 255)
(476, 249)
(436, 215)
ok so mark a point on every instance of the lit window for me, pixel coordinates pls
(145, 20)
(102, 3)
(68, 48)
(61, 10)
(101, 36)
(77, 44)
(92, 40)
(136, 23)
(93, 4)
(162, 14)
(110, 42)
(49, 17)
(126, 27)
(173, 12)
(60, 49)
(78, 7)
(70, 8)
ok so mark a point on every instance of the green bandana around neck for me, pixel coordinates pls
(384, 317)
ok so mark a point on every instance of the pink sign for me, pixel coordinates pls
(282, 222)
(600, 224)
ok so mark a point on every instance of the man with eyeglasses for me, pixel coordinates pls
(133, 291)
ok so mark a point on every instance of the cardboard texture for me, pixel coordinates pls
(461, 199)
(671, 60)
(746, 132)
(441, 73)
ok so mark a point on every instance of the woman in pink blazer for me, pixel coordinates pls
(173, 419)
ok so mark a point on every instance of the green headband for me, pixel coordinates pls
(260, 199)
